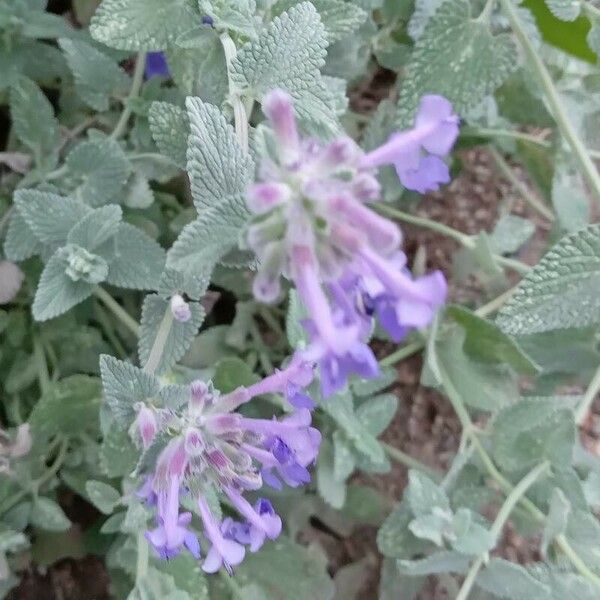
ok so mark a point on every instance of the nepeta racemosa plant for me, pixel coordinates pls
(314, 225)
(211, 190)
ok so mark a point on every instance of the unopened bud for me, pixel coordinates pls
(180, 309)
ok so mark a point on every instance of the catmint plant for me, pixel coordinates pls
(227, 372)
(206, 446)
(315, 223)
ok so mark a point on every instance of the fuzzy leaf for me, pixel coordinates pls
(377, 412)
(57, 292)
(48, 216)
(487, 343)
(101, 168)
(142, 24)
(286, 570)
(47, 514)
(97, 76)
(138, 260)
(565, 10)
(170, 129)
(331, 489)
(339, 18)
(69, 407)
(511, 581)
(34, 122)
(207, 239)
(103, 496)
(180, 337)
(20, 242)
(261, 66)
(124, 385)
(445, 561)
(458, 58)
(561, 291)
(96, 227)
(532, 430)
(218, 167)
(340, 408)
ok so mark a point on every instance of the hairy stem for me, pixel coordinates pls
(462, 238)
(523, 190)
(470, 431)
(560, 115)
(136, 84)
(158, 346)
(503, 514)
(117, 310)
(239, 110)
(410, 462)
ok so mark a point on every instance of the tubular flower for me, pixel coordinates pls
(208, 446)
(313, 225)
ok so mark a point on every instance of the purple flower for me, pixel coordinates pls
(224, 552)
(313, 225)
(287, 448)
(210, 444)
(262, 521)
(156, 65)
(416, 153)
(172, 532)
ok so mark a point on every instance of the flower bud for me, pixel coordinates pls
(180, 309)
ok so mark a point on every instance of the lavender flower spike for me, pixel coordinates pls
(313, 225)
(211, 447)
(416, 153)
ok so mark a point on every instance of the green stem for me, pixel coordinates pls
(486, 12)
(158, 347)
(136, 84)
(523, 190)
(462, 238)
(41, 365)
(402, 353)
(117, 310)
(469, 429)
(589, 396)
(410, 462)
(239, 110)
(508, 133)
(579, 150)
(109, 332)
(503, 514)
(141, 566)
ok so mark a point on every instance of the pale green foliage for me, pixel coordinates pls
(142, 24)
(34, 122)
(567, 10)
(458, 58)
(561, 290)
(339, 18)
(170, 129)
(219, 169)
(260, 66)
(181, 335)
(97, 76)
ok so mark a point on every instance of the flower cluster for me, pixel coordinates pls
(208, 446)
(313, 225)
